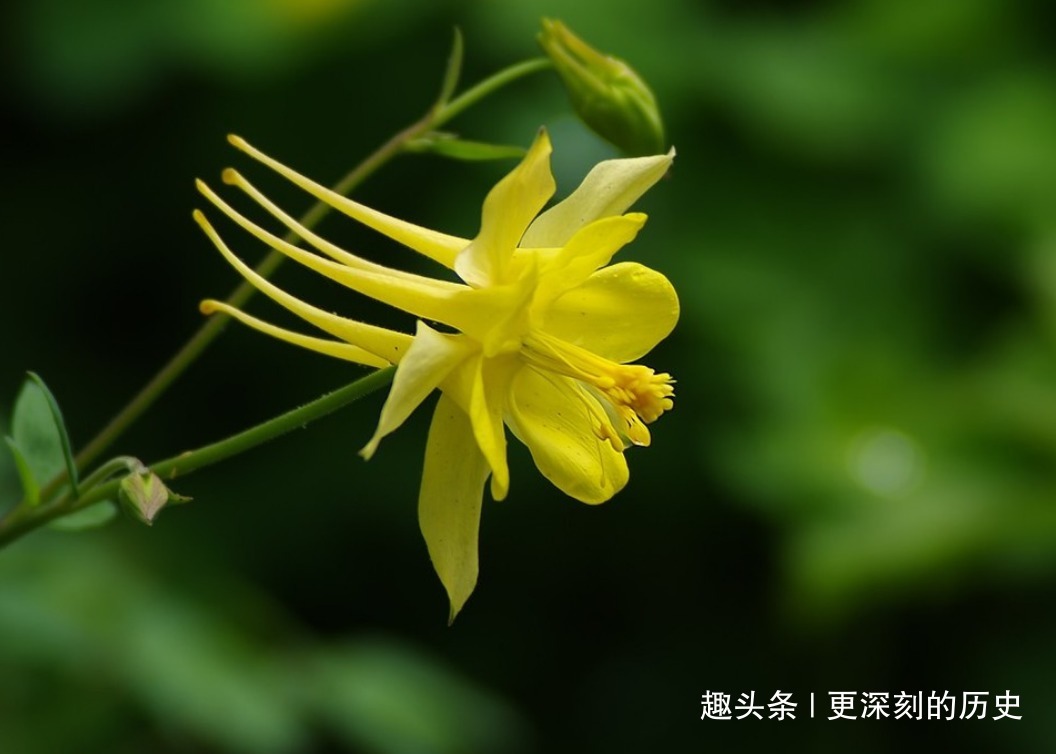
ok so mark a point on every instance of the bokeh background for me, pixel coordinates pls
(856, 490)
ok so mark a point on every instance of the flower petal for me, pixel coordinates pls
(486, 406)
(234, 178)
(620, 312)
(551, 415)
(337, 349)
(450, 499)
(470, 310)
(610, 188)
(508, 209)
(479, 388)
(322, 266)
(386, 344)
(426, 364)
(593, 246)
(433, 244)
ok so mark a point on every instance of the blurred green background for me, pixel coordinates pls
(856, 490)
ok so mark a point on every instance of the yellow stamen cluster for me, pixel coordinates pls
(637, 394)
(643, 390)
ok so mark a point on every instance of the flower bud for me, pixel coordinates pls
(606, 93)
(143, 495)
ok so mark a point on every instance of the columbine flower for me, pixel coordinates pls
(546, 329)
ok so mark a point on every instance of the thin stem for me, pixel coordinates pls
(113, 466)
(185, 463)
(13, 527)
(486, 87)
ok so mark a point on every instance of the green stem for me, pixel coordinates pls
(25, 520)
(118, 465)
(486, 87)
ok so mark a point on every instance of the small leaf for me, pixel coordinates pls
(447, 145)
(56, 415)
(30, 488)
(87, 518)
(453, 71)
(34, 432)
(143, 494)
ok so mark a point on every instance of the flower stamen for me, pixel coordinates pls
(637, 394)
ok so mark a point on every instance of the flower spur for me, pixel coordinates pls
(544, 333)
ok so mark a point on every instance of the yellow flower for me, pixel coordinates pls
(544, 329)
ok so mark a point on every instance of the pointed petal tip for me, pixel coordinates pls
(542, 139)
(368, 450)
(456, 604)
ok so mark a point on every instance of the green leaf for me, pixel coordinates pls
(447, 145)
(34, 432)
(453, 71)
(89, 518)
(30, 488)
(56, 415)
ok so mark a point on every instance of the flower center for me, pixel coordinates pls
(637, 394)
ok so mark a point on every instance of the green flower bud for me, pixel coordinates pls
(606, 93)
(143, 495)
